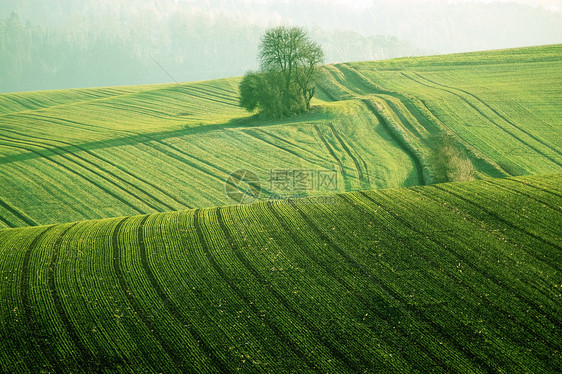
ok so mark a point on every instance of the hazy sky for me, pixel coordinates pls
(555, 5)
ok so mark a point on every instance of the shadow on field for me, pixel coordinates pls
(317, 113)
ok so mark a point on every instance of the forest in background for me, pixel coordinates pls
(65, 44)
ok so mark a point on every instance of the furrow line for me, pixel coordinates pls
(209, 99)
(63, 154)
(298, 353)
(471, 218)
(507, 223)
(418, 312)
(60, 149)
(248, 266)
(7, 222)
(496, 113)
(366, 209)
(139, 179)
(18, 214)
(487, 118)
(470, 147)
(178, 361)
(217, 361)
(253, 135)
(204, 162)
(334, 156)
(466, 261)
(382, 310)
(34, 330)
(83, 177)
(132, 108)
(85, 360)
(537, 187)
(360, 174)
(212, 93)
(529, 196)
(283, 140)
(398, 140)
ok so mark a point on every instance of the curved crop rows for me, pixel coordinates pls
(99, 153)
(361, 285)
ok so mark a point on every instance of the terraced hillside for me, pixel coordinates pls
(362, 285)
(96, 153)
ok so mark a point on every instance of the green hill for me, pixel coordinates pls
(73, 155)
(460, 277)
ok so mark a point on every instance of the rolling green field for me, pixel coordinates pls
(121, 250)
(359, 285)
(83, 154)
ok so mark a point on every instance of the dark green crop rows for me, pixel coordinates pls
(462, 277)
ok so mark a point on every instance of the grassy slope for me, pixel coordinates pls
(95, 153)
(360, 285)
(503, 104)
(160, 148)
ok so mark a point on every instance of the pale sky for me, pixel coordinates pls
(555, 5)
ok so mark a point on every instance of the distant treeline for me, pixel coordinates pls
(88, 51)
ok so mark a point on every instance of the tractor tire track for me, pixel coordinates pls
(204, 162)
(200, 96)
(132, 175)
(227, 92)
(110, 193)
(125, 171)
(555, 150)
(398, 140)
(213, 93)
(22, 216)
(285, 141)
(7, 222)
(144, 111)
(61, 153)
(382, 310)
(295, 349)
(432, 126)
(192, 164)
(283, 300)
(216, 360)
(537, 187)
(509, 224)
(177, 359)
(476, 221)
(62, 122)
(366, 210)
(466, 261)
(334, 156)
(101, 176)
(360, 174)
(415, 310)
(293, 153)
(472, 149)
(532, 197)
(35, 340)
(85, 359)
(487, 118)
(327, 93)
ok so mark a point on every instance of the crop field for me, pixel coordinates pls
(83, 154)
(503, 104)
(359, 285)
